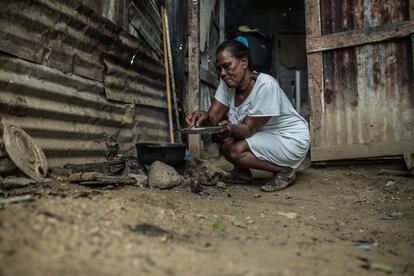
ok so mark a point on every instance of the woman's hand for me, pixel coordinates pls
(226, 132)
(196, 118)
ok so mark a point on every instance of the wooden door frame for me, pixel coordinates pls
(193, 83)
(316, 44)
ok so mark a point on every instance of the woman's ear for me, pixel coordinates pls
(245, 62)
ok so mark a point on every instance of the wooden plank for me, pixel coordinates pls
(361, 150)
(209, 78)
(193, 85)
(359, 37)
(315, 76)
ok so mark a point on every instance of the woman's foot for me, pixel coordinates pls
(279, 181)
(239, 176)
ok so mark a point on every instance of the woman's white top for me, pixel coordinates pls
(284, 140)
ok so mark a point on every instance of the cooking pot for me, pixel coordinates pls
(171, 154)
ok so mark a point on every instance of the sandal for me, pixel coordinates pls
(278, 182)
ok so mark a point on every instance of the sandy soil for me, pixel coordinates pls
(333, 221)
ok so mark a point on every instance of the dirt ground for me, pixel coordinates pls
(333, 221)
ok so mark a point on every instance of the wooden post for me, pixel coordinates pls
(222, 20)
(315, 77)
(412, 36)
(193, 85)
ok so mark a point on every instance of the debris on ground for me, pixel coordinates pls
(13, 182)
(206, 172)
(141, 179)
(367, 264)
(394, 173)
(218, 226)
(99, 179)
(15, 199)
(163, 176)
(237, 222)
(392, 216)
(113, 167)
(86, 176)
(221, 185)
(390, 183)
(289, 215)
(363, 245)
(150, 230)
(109, 181)
(249, 220)
(195, 186)
(24, 151)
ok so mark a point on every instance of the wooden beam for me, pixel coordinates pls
(193, 85)
(359, 37)
(361, 150)
(209, 78)
(315, 77)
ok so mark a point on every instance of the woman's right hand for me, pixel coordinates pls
(197, 118)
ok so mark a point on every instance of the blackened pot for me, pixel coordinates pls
(171, 154)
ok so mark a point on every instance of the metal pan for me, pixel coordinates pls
(202, 130)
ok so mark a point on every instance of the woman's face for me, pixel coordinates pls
(230, 69)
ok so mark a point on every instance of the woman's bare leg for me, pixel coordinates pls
(242, 173)
(239, 153)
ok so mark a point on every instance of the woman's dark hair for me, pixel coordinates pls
(237, 49)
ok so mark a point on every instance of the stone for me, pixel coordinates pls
(390, 183)
(221, 185)
(289, 215)
(163, 176)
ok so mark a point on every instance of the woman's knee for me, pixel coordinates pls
(233, 150)
(226, 147)
(237, 150)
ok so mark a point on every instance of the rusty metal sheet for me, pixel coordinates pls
(150, 125)
(66, 35)
(114, 10)
(69, 116)
(367, 102)
(137, 82)
(146, 20)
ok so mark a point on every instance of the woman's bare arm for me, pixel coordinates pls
(213, 116)
(217, 112)
(249, 127)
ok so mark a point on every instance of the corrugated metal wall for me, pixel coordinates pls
(368, 99)
(66, 78)
(209, 39)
